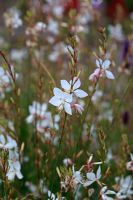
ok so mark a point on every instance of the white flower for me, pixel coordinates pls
(51, 196)
(36, 110)
(61, 100)
(53, 27)
(77, 178)
(11, 143)
(104, 66)
(116, 32)
(105, 192)
(102, 70)
(41, 117)
(7, 143)
(18, 54)
(4, 80)
(12, 18)
(2, 142)
(73, 87)
(126, 190)
(92, 177)
(14, 166)
(40, 26)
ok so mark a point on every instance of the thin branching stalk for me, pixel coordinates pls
(46, 70)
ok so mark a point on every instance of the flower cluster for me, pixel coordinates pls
(71, 179)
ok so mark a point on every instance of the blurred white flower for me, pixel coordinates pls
(40, 26)
(14, 166)
(37, 111)
(102, 70)
(18, 54)
(7, 143)
(116, 32)
(5, 83)
(126, 188)
(53, 27)
(77, 178)
(12, 18)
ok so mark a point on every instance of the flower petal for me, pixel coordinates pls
(10, 175)
(87, 183)
(109, 74)
(77, 83)
(98, 175)
(57, 92)
(99, 62)
(65, 85)
(106, 64)
(80, 93)
(67, 108)
(2, 139)
(19, 175)
(67, 97)
(55, 101)
(29, 119)
(110, 192)
(91, 176)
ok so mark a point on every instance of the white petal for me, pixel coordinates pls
(17, 165)
(99, 63)
(65, 85)
(57, 92)
(98, 175)
(109, 74)
(87, 183)
(57, 118)
(106, 64)
(2, 72)
(19, 175)
(131, 155)
(77, 83)
(44, 107)
(29, 119)
(10, 175)
(2, 139)
(110, 192)
(55, 101)
(32, 108)
(91, 176)
(67, 108)
(67, 97)
(80, 93)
